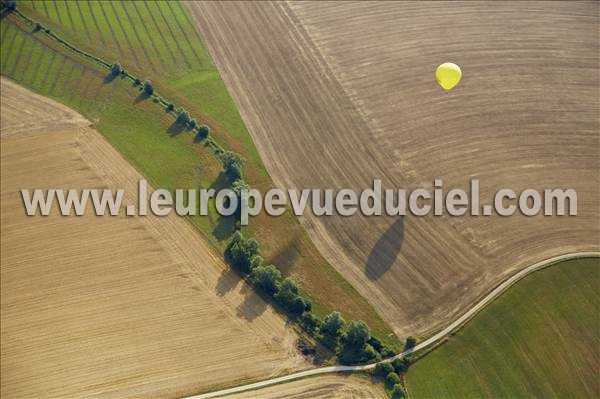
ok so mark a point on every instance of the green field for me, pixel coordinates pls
(157, 41)
(539, 339)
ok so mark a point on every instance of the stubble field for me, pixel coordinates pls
(338, 94)
(113, 306)
(321, 387)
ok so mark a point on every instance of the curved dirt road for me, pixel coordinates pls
(428, 342)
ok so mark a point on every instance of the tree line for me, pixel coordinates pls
(351, 342)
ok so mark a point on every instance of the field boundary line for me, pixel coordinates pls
(187, 17)
(451, 328)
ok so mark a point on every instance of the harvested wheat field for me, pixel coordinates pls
(322, 387)
(338, 94)
(113, 306)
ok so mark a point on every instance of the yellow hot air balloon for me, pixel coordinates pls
(448, 75)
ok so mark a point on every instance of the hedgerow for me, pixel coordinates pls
(352, 343)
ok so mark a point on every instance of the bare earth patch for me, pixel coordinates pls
(114, 306)
(337, 94)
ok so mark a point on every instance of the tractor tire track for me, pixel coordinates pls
(174, 14)
(100, 34)
(131, 47)
(148, 35)
(147, 56)
(58, 74)
(181, 52)
(162, 37)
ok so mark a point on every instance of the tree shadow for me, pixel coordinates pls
(226, 225)
(285, 257)
(228, 280)
(254, 304)
(109, 78)
(386, 250)
(175, 129)
(220, 183)
(5, 13)
(141, 97)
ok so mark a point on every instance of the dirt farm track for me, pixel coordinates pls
(336, 94)
(113, 306)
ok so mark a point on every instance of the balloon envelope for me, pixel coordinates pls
(448, 75)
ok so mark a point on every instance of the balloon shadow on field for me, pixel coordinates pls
(386, 250)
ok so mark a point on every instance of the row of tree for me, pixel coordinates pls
(351, 342)
(242, 253)
(183, 117)
(390, 372)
